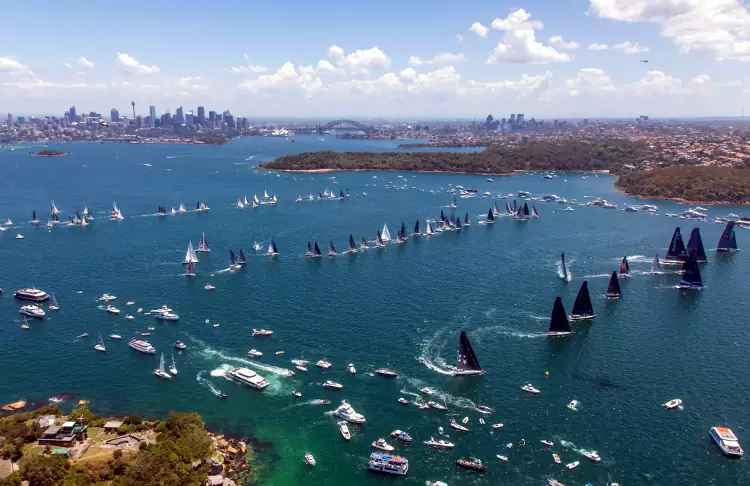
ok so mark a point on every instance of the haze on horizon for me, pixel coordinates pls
(432, 59)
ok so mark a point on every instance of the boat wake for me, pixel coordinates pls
(636, 258)
(210, 352)
(560, 273)
(251, 157)
(512, 332)
(205, 382)
(570, 445)
(598, 275)
(221, 371)
(176, 156)
(430, 354)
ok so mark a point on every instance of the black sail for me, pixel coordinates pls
(352, 246)
(416, 228)
(526, 209)
(558, 322)
(695, 246)
(467, 360)
(582, 305)
(316, 251)
(613, 290)
(691, 274)
(728, 241)
(490, 216)
(624, 266)
(676, 251)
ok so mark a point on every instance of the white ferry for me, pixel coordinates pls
(142, 346)
(388, 464)
(32, 294)
(32, 310)
(248, 377)
(727, 441)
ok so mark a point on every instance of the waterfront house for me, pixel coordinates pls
(64, 435)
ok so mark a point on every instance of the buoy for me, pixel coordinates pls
(212, 274)
(546, 373)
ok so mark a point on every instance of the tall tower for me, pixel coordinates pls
(132, 103)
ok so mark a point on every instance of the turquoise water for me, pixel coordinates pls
(401, 307)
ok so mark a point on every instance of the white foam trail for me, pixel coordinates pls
(221, 371)
(637, 258)
(512, 332)
(598, 275)
(175, 156)
(430, 354)
(253, 364)
(570, 445)
(203, 381)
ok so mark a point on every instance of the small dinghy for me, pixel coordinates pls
(296, 393)
(674, 403)
(556, 458)
(351, 369)
(403, 401)
(309, 459)
(509, 445)
(497, 426)
(465, 420)
(481, 421)
(574, 405)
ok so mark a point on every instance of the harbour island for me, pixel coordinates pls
(50, 153)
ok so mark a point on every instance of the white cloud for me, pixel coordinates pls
(526, 86)
(14, 68)
(129, 66)
(519, 43)
(83, 62)
(287, 76)
(479, 29)
(589, 80)
(629, 48)
(247, 58)
(720, 28)
(459, 38)
(598, 47)
(67, 65)
(250, 68)
(442, 58)
(359, 61)
(558, 41)
(656, 82)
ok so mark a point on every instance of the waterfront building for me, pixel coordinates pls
(72, 114)
(65, 435)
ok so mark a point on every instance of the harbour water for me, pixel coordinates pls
(401, 307)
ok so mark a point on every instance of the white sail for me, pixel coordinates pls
(84, 221)
(255, 199)
(182, 208)
(274, 198)
(190, 256)
(265, 194)
(240, 205)
(53, 208)
(270, 249)
(385, 235)
(246, 203)
(161, 363)
(429, 228)
(173, 368)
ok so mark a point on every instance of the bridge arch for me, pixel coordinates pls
(345, 124)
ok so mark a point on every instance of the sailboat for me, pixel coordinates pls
(190, 270)
(272, 250)
(520, 216)
(453, 204)
(173, 211)
(534, 212)
(363, 244)
(676, 254)
(341, 195)
(379, 241)
(190, 256)
(691, 275)
(515, 206)
(173, 368)
(203, 244)
(241, 260)
(84, 220)
(402, 233)
(256, 201)
(728, 241)
(385, 235)
(656, 266)
(182, 209)
(352, 246)
(508, 209)
(49, 225)
(624, 266)
(310, 197)
(490, 217)
(467, 221)
(116, 213)
(7, 222)
(495, 209)
(417, 231)
(299, 197)
(34, 219)
(565, 276)
(87, 213)
(558, 322)
(309, 251)
(53, 209)
(331, 250)
(256, 245)
(100, 344)
(458, 224)
(695, 246)
(442, 215)
(316, 251)
(582, 308)
(54, 306)
(613, 290)
(429, 231)
(240, 204)
(526, 209)
(160, 372)
(246, 202)
(55, 219)
(232, 260)
(468, 364)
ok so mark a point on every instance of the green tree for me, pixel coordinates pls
(41, 470)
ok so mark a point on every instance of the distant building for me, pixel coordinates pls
(65, 435)
(166, 120)
(10, 119)
(201, 115)
(212, 116)
(139, 121)
(179, 117)
(190, 119)
(519, 119)
(228, 119)
(152, 114)
(72, 114)
(512, 119)
(114, 115)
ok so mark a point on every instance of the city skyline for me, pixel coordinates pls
(424, 59)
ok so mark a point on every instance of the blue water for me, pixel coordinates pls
(401, 307)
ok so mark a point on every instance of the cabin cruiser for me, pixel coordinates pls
(502, 458)
(333, 385)
(727, 441)
(254, 353)
(530, 388)
(483, 409)
(180, 345)
(548, 443)
(596, 202)
(386, 372)
(32, 295)
(142, 346)
(458, 426)
(437, 406)
(351, 369)
(388, 464)
(107, 297)
(421, 404)
(592, 456)
(262, 332)
(472, 463)
(573, 405)
(440, 443)
(248, 378)
(323, 364)
(497, 426)
(401, 435)
(309, 459)
(427, 391)
(673, 404)
(167, 316)
(112, 310)
(346, 412)
(209, 287)
(403, 401)
(344, 429)
(32, 310)
(115, 336)
(572, 465)
(382, 445)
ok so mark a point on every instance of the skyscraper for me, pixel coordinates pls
(152, 114)
(201, 115)
(179, 116)
(519, 119)
(72, 112)
(512, 119)
(189, 119)
(212, 116)
(114, 115)
(10, 119)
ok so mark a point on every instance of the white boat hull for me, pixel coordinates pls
(468, 372)
(576, 317)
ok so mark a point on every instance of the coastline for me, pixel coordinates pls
(680, 200)
(515, 172)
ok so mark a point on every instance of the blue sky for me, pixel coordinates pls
(387, 58)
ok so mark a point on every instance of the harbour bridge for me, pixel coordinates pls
(345, 124)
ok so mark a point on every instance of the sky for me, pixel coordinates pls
(406, 58)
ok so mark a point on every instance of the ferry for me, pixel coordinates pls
(142, 346)
(472, 463)
(248, 377)
(31, 310)
(388, 464)
(727, 441)
(32, 294)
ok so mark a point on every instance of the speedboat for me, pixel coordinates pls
(403, 401)
(129, 317)
(472, 463)
(107, 297)
(350, 367)
(130, 302)
(296, 393)
(458, 426)
(574, 405)
(554, 482)
(346, 412)
(444, 444)
(180, 345)
(556, 458)
(427, 391)
(115, 336)
(483, 409)
(301, 368)
(309, 459)
(208, 287)
(548, 443)
(344, 429)
(592, 456)
(401, 435)
(323, 364)
(222, 395)
(279, 353)
(262, 332)
(333, 384)
(437, 406)
(382, 445)
(32, 310)
(727, 441)
(254, 353)
(572, 465)
(497, 426)
(673, 404)
(502, 458)
(112, 310)
(421, 404)
(167, 316)
(386, 372)
(530, 388)
(509, 445)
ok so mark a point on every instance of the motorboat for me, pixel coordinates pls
(32, 295)
(309, 459)
(402, 436)
(84, 335)
(160, 372)
(115, 336)
(279, 353)
(554, 482)
(296, 393)
(727, 441)
(427, 391)
(522, 443)
(248, 377)
(458, 426)
(19, 236)
(465, 420)
(351, 369)
(573, 405)
(386, 372)
(472, 463)
(497, 426)
(556, 458)
(208, 287)
(344, 429)
(443, 444)
(323, 364)
(572, 465)
(180, 345)
(421, 404)
(592, 456)
(483, 409)
(437, 406)
(674, 403)
(346, 412)
(382, 445)
(167, 316)
(388, 464)
(262, 332)
(502, 458)
(254, 353)
(530, 388)
(333, 385)
(112, 310)
(33, 311)
(300, 362)
(142, 346)
(403, 401)
(440, 430)
(129, 317)
(107, 298)
(548, 443)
